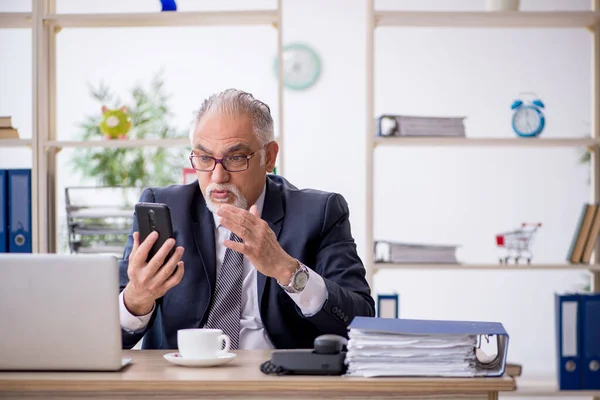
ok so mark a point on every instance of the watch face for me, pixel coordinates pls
(300, 280)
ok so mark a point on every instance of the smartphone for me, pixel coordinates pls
(155, 217)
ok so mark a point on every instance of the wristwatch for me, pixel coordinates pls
(298, 281)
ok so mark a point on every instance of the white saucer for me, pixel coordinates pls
(176, 358)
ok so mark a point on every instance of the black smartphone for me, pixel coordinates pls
(155, 217)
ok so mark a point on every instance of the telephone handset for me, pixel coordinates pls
(327, 358)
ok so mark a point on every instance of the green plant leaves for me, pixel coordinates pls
(145, 166)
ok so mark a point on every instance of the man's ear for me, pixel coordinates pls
(271, 156)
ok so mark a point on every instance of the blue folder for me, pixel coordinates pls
(590, 339)
(19, 211)
(3, 211)
(568, 343)
(578, 341)
(494, 367)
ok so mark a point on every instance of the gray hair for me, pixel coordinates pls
(234, 102)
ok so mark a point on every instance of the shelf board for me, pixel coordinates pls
(487, 142)
(101, 231)
(180, 142)
(103, 213)
(15, 143)
(488, 19)
(488, 267)
(15, 20)
(158, 19)
(100, 249)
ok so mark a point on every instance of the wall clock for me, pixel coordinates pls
(301, 66)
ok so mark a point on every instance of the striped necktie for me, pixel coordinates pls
(225, 310)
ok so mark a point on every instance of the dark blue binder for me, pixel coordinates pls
(19, 211)
(3, 212)
(568, 341)
(590, 338)
(443, 328)
(387, 305)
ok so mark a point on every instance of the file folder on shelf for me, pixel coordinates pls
(3, 213)
(568, 342)
(19, 211)
(387, 305)
(578, 341)
(412, 347)
(590, 339)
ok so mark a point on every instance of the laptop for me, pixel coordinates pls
(60, 312)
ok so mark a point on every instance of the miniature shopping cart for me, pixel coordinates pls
(515, 244)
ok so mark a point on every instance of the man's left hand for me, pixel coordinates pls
(260, 243)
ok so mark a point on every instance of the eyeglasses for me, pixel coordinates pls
(229, 163)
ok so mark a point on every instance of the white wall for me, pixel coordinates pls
(461, 196)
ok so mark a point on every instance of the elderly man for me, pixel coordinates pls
(269, 264)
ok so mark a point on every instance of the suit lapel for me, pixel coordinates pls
(203, 231)
(273, 214)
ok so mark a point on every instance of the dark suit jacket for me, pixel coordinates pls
(310, 225)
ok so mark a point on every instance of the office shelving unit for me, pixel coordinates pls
(556, 19)
(584, 19)
(45, 24)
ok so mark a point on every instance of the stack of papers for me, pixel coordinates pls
(402, 347)
(397, 252)
(390, 355)
(421, 126)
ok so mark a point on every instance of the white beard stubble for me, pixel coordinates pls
(238, 199)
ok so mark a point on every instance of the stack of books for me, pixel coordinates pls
(6, 129)
(586, 235)
(420, 126)
(395, 252)
(410, 347)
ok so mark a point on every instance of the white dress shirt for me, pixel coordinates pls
(252, 332)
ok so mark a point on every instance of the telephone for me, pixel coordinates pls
(327, 358)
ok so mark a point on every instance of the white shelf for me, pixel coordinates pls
(544, 388)
(15, 143)
(487, 142)
(15, 20)
(485, 19)
(488, 267)
(158, 19)
(181, 142)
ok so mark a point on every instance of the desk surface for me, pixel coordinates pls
(150, 372)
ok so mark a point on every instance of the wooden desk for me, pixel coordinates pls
(150, 376)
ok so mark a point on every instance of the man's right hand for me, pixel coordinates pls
(150, 281)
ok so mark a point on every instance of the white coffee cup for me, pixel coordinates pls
(202, 343)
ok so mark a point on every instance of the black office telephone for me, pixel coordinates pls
(327, 358)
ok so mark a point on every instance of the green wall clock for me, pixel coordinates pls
(301, 66)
